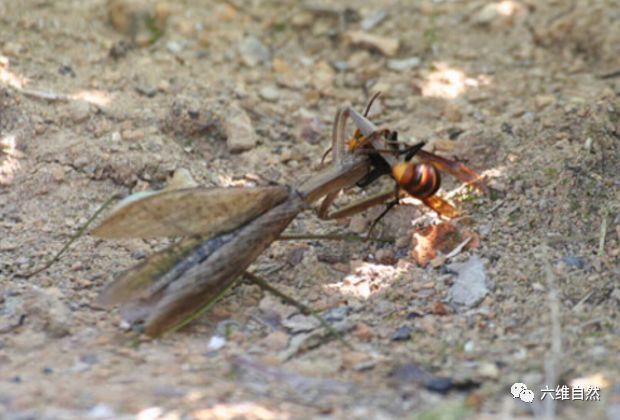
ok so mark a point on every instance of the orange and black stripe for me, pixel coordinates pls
(421, 180)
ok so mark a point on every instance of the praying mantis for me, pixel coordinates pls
(226, 229)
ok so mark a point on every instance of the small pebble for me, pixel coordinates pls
(132, 135)
(340, 65)
(354, 358)
(148, 91)
(89, 359)
(358, 224)
(174, 47)
(58, 173)
(276, 341)
(336, 314)
(362, 332)
(384, 45)
(385, 256)
(372, 20)
(253, 52)
(78, 111)
(470, 286)
(573, 261)
(486, 14)
(402, 334)
(403, 64)
(543, 101)
(216, 342)
(440, 385)
(453, 113)
(101, 411)
(240, 132)
(269, 93)
(300, 323)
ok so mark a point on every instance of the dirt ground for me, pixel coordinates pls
(103, 97)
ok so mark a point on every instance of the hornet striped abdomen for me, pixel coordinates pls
(421, 180)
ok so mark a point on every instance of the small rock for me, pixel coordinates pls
(169, 391)
(253, 52)
(439, 385)
(408, 374)
(66, 70)
(269, 93)
(372, 20)
(574, 261)
(132, 135)
(240, 133)
(336, 314)
(470, 286)
(191, 117)
(276, 341)
(312, 97)
(402, 334)
(116, 137)
(358, 224)
(486, 15)
(302, 20)
(311, 129)
(385, 256)
(453, 112)
(362, 332)
(120, 49)
(216, 342)
(300, 323)
(322, 77)
(146, 90)
(47, 312)
(384, 45)
(163, 86)
(350, 359)
(359, 59)
(403, 64)
(543, 101)
(280, 66)
(403, 241)
(440, 309)
(58, 173)
(101, 411)
(340, 65)
(89, 359)
(78, 111)
(175, 47)
(488, 370)
(598, 352)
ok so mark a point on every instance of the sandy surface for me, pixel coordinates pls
(526, 92)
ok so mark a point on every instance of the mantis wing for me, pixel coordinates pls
(197, 212)
(190, 211)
